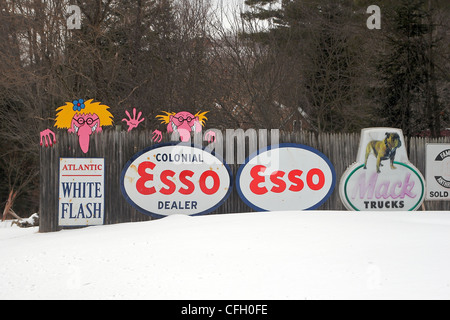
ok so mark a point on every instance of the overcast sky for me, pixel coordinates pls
(229, 5)
(229, 9)
(226, 9)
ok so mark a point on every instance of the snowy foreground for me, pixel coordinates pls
(297, 255)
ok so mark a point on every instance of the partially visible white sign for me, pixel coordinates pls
(438, 171)
(81, 186)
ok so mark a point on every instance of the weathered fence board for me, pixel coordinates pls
(117, 148)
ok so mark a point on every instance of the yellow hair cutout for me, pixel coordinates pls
(201, 117)
(66, 114)
(165, 119)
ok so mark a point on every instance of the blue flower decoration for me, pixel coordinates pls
(78, 105)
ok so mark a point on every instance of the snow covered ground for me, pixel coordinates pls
(279, 255)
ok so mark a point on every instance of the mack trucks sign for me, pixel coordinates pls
(176, 179)
(382, 179)
(290, 177)
(438, 171)
(81, 197)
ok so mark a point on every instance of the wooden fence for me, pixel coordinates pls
(117, 147)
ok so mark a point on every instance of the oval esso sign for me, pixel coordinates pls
(289, 177)
(176, 179)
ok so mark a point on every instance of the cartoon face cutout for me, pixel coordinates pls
(184, 123)
(183, 119)
(83, 118)
(85, 121)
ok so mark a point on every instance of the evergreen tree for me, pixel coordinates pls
(408, 94)
(325, 51)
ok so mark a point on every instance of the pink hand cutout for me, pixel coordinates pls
(46, 136)
(210, 136)
(133, 122)
(157, 136)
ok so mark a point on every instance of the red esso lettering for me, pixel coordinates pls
(209, 181)
(216, 185)
(315, 180)
(140, 184)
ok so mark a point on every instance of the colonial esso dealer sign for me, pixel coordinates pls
(289, 177)
(382, 179)
(176, 179)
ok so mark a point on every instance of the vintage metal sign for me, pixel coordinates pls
(382, 179)
(289, 177)
(438, 171)
(81, 196)
(176, 179)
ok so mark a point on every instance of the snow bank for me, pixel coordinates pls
(279, 255)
